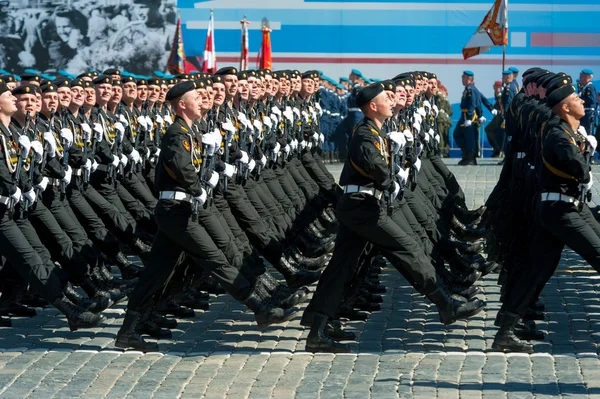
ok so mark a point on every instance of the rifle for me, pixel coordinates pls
(17, 173)
(65, 159)
(243, 145)
(585, 195)
(86, 173)
(26, 204)
(112, 172)
(226, 146)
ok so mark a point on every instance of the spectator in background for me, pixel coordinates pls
(444, 122)
(493, 130)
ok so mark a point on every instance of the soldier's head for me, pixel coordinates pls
(77, 94)
(104, 89)
(467, 77)
(153, 90)
(284, 84)
(355, 76)
(390, 90)
(308, 84)
(586, 76)
(90, 94)
(211, 93)
(409, 86)
(296, 83)
(432, 85)
(564, 101)
(204, 95)
(253, 86)
(374, 102)
(38, 98)
(164, 88)
(243, 88)
(129, 89)
(185, 100)
(268, 83)
(8, 102)
(515, 72)
(401, 96)
(64, 92)
(274, 85)
(219, 90)
(114, 73)
(142, 90)
(507, 76)
(31, 79)
(230, 79)
(49, 99)
(9, 81)
(26, 101)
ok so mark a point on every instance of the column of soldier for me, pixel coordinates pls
(212, 179)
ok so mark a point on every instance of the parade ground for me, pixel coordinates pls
(402, 350)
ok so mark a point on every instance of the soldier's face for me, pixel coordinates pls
(219, 90)
(26, 103)
(117, 95)
(253, 88)
(243, 89)
(193, 104)
(465, 80)
(231, 85)
(382, 105)
(153, 93)
(64, 96)
(307, 86)
(104, 93)
(11, 85)
(432, 86)
(392, 96)
(574, 106)
(283, 86)
(585, 78)
(296, 85)
(142, 93)
(90, 96)
(211, 96)
(130, 91)
(77, 96)
(410, 94)
(268, 84)
(38, 99)
(49, 102)
(274, 87)
(163, 93)
(400, 96)
(8, 103)
(204, 99)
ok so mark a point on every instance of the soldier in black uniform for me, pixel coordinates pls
(363, 217)
(181, 192)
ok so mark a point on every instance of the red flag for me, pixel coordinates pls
(176, 64)
(209, 63)
(244, 53)
(493, 31)
(265, 56)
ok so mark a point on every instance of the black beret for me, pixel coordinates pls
(180, 89)
(532, 70)
(559, 89)
(61, 82)
(182, 76)
(77, 83)
(112, 71)
(532, 77)
(545, 79)
(8, 78)
(102, 79)
(87, 83)
(307, 75)
(154, 82)
(94, 73)
(85, 74)
(171, 81)
(30, 77)
(116, 82)
(389, 85)
(267, 71)
(217, 79)
(48, 88)
(44, 81)
(3, 86)
(242, 75)
(24, 89)
(368, 93)
(142, 82)
(127, 79)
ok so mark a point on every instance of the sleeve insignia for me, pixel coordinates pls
(186, 144)
(378, 145)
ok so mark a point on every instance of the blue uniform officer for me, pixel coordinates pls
(589, 95)
(464, 133)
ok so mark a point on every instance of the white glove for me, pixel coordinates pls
(228, 126)
(403, 174)
(49, 138)
(287, 149)
(115, 161)
(157, 153)
(399, 141)
(141, 120)
(218, 138)
(430, 132)
(408, 136)
(43, 184)
(124, 160)
(305, 115)
(581, 130)
(274, 118)
(214, 180)
(426, 104)
(419, 148)
(320, 110)
(251, 165)
(94, 165)
(303, 144)
(242, 118)
(494, 112)
(67, 137)
(68, 174)
(208, 139)
(589, 185)
(436, 109)
(87, 165)
(267, 121)
(99, 132)
(276, 111)
(30, 196)
(482, 120)
(427, 138)
(121, 129)
(123, 120)
(245, 159)
(277, 148)
(16, 196)
(438, 138)
(315, 137)
(25, 144)
(592, 143)
(168, 119)
(322, 138)
(87, 130)
(289, 114)
(421, 111)
(396, 190)
(257, 125)
(230, 170)
(135, 156)
(159, 119)
(297, 112)
(418, 118)
(263, 161)
(294, 145)
(418, 164)
(38, 151)
(417, 126)
(468, 123)
(201, 199)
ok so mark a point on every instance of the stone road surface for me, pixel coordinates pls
(402, 351)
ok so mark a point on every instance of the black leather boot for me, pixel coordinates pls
(5, 322)
(163, 321)
(95, 305)
(466, 232)
(10, 308)
(266, 315)
(140, 247)
(146, 325)
(318, 341)
(127, 337)
(335, 331)
(76, 316)
(466, 216)
(129, 271)
(294, 276)
(281, 293)
(310, 263)
(450, 309)
(526, 330)
(190, 301)
(173, 308)
(115, 282)
(92, 289)
(505, 337)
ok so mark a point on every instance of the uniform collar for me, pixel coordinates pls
(373, 126)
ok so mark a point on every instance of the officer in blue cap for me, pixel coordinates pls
(464, 133)
(515, 73)
(589, 95)
(342, 134)
(345, 82)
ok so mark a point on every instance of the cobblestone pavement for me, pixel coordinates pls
(402, 351)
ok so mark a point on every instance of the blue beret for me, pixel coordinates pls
(468, 73)
(340, 87)
(514, 69)
(507, 72)
(587, 71)
(342, 79)
(367, 80)
(320, 72)
(357, 72)
(376, 80)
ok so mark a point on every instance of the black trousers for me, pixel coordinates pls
(179, 234)
(557, 224)
(364, 219)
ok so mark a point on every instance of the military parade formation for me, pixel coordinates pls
(215, 181)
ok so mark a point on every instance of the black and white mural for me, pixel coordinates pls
(75, 35)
